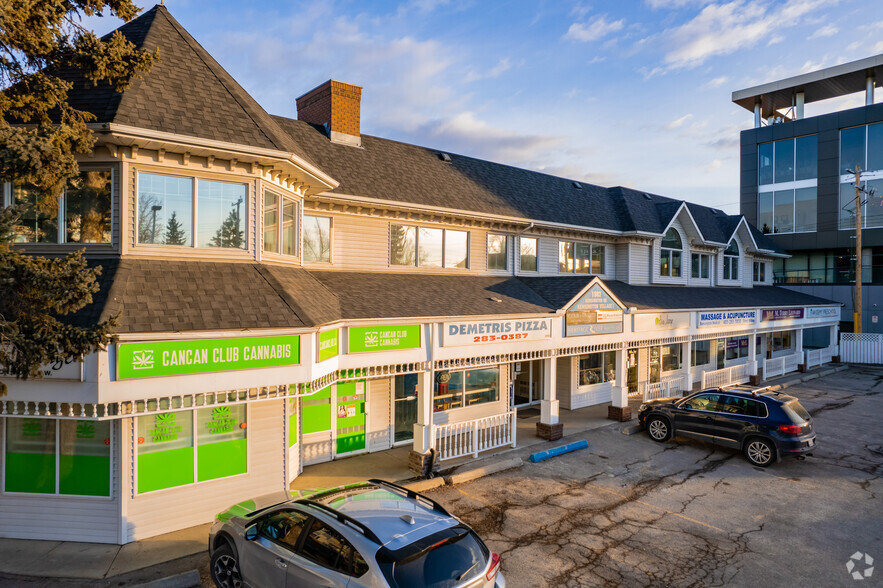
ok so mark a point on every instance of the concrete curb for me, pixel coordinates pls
(631, 429)
(424, 485)
(185, 580)
(493, 468)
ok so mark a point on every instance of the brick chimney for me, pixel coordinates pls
(335, 105)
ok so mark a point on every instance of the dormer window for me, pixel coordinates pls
(670, 255)
(731, 261)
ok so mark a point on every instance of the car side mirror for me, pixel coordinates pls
(251, 533)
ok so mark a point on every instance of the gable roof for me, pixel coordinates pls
(186, 92)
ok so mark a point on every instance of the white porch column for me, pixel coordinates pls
(549, 403)
(833, 341)
(619, 396)
(752, 354)
(549, 428)
(688, 366)
(798, 342)
(423, 426)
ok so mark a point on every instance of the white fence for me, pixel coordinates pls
(861, 347)
(737, 374)
(672, 386)
(816, 357)
(780, 366)
(472, 437)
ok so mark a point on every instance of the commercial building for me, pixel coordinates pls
(795, 187)
(293, 291)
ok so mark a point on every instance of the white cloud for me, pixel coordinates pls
(775, 39)
(502, 66)
(655, 4)
(717, 82)
(878, 47)
(721, 29)
(826, 31)
(596, 59)
(598, 28)
(677, 123)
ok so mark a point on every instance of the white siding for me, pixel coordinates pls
(162, 511)
(60, 518)
(359, 243)
(639, 263)
(622, 262)
(548, 256)
(748, 275)
(379, 419)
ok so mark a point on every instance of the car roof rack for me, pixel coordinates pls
(343, 518)
(412, 494)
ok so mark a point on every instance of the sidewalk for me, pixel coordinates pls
(95, 561)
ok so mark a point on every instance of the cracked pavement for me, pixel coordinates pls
(632, 512)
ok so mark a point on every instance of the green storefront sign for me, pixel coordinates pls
(170, 358)
(385, 338)
(329, 344)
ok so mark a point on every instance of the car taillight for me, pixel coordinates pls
(495, 567)
(790, 429)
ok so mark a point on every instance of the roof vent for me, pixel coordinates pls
(713, 211)
(495, 299)
(647, 196)
(577, 185)
(444, 157)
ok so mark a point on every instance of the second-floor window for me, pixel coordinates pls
(280, 224)
(863, 147)
(82, 215)
(787, 182)
(169, 205)
(670, 255)
(731, 261)
(317, 239)
(427, 247)
(497, 252)
(759, 271)
(580, 258)
(699, 266)
(528, 254)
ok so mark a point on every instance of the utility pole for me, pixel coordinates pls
(857, 310)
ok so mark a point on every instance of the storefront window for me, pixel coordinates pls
(737, 347)
(84, 458)
(87, 208)
(497, 252)
(782, 341)
(596, 368)
(165, 450)
(528, 254)
(671, 357)
(465, 388)
(701, 352)
(80, 466)
(317, 239)
(30, 456)
(220, 442)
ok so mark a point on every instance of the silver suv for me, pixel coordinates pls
(373, 533)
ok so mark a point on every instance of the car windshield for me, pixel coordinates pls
(795, 412)
(452, 559)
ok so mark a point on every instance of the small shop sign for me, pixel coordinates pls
(170, 358)
(384, 338)
(720, 318)
(664, 321)
(825, 312)
(69, 369)
(329, 344)
(782, 314)
(505, 331)
(595, 313)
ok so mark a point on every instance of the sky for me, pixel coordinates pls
(634, 92)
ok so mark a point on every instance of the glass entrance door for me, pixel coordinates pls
(404, 407)
(632, 369)
(522, 383)
(721, 353)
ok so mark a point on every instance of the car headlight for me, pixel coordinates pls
(642, 408)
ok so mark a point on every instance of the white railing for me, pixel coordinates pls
(472, 437)
(780, 366)
(816, 357)
(861, 347)
(737, 374)
(792, 362)
(671, 386)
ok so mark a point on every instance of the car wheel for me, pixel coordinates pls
(658, 429)
(760, 452)
(225, 568)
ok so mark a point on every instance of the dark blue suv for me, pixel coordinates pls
(766, 426)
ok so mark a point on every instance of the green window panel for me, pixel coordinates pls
(220, 442)
(165, 450)
(292, 422)
(84, 459)
(316, 410)
(30, 456)
(350, 416)
(221, 460)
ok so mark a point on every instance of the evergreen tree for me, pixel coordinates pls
(175, 235)
(40, 137)
(229, 234)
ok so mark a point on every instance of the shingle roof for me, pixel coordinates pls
(387, 295)
(185, 92)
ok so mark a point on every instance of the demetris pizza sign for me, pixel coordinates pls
(170, 358)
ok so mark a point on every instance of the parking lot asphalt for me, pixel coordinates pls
(632, 512)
